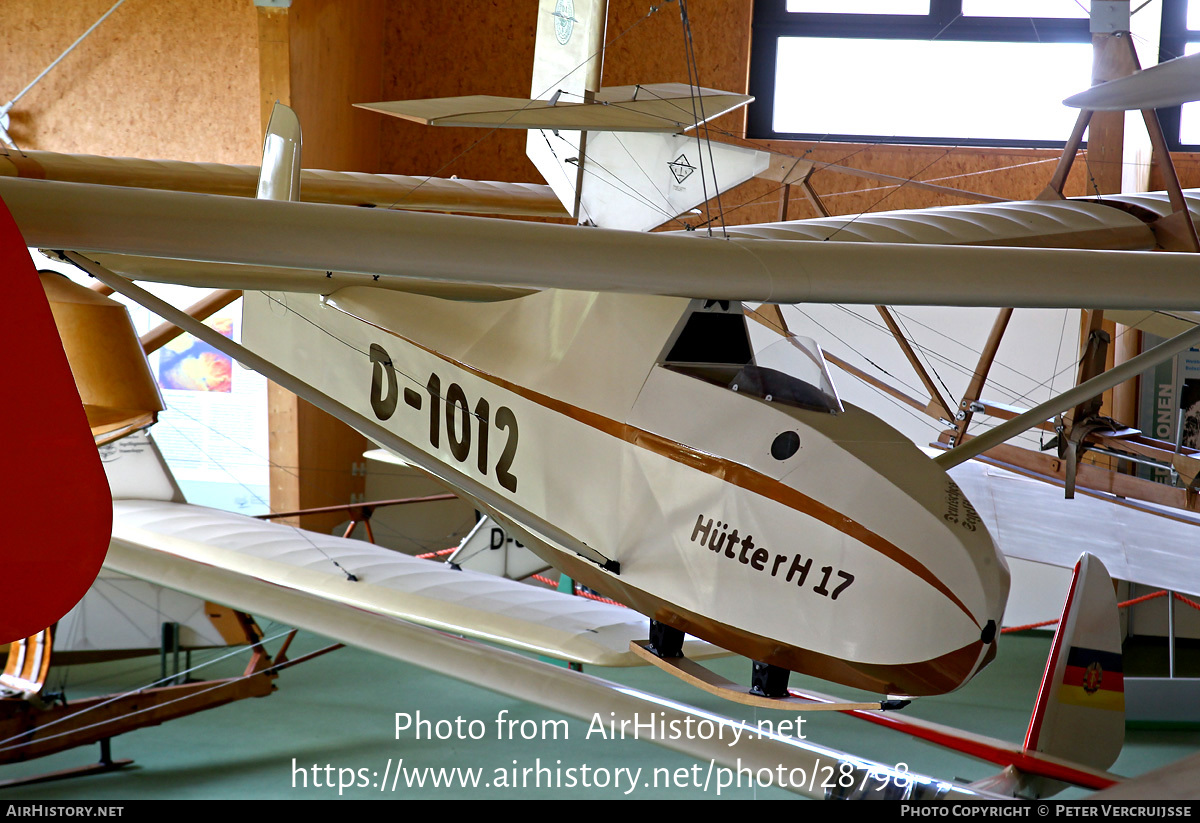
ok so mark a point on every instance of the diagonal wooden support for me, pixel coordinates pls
(979, 377)
(1054, 189)
(202, 309)
(938, 404)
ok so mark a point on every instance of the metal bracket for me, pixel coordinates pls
(1109, 16)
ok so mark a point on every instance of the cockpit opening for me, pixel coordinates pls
(713, 344)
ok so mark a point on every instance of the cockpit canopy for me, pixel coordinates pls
(713, 344)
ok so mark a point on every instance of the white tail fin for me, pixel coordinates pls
(1080, 711)
(615, 157)
(624, 179)
(279, 178)
(638, 181)
(136, 470)
(568, 56)
(489, 549)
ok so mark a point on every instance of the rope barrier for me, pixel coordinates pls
(1122, 605)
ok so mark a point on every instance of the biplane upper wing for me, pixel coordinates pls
(1032, 520)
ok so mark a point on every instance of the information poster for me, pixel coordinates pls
(214, 432)
(1189, 399)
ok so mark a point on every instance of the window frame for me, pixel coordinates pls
(772, 20)
(1172, 43)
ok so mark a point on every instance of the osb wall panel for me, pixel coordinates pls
(1187, 166)
(650, 48)
(159, 78)
(437, 49)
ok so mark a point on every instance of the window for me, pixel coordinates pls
(1180, 36)
(979, 72)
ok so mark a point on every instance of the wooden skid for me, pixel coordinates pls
(47, 731)
(63, 774)
(694, 674)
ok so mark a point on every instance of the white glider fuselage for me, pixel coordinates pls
(821, 542)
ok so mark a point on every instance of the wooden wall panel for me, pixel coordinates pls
(337, 60)
(1187, 166)
(434, 50)
(158, 79)
(440, 50)
(333, 58)
(650, 48)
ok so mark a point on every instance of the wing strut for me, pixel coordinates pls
(1069, 399)
(470, 486)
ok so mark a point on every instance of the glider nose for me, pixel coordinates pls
(993, 584)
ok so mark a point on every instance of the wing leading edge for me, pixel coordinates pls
(289, 574)
(323, 239)
(388, 191)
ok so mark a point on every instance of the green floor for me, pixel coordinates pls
(339, 710)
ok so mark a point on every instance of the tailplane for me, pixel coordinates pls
(624, 157)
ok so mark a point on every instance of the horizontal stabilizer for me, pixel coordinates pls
(1167, 84)
(666, 107)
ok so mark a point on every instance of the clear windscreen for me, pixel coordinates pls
(791, 371)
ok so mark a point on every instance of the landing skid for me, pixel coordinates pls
(694, 674)
(104, 764)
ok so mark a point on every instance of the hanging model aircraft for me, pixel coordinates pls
(599, 392)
